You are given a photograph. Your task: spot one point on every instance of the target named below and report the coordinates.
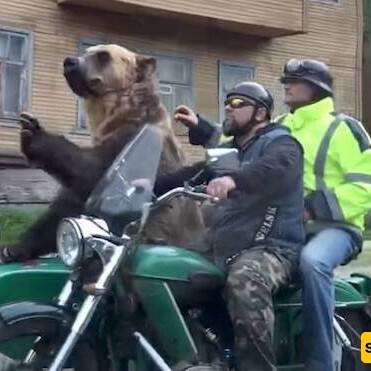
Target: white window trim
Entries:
(7, 120)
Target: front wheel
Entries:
(18, 338)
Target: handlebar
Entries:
(197, 193)
(194, 193)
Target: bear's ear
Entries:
(146, 66)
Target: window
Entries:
(229, 75)
(174, 74)
(14, 72)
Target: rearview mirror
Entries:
(222, 157)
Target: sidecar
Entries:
(39, 280)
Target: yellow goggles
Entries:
(236, 103)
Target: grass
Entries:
(14, 221)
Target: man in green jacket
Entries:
(337, 185)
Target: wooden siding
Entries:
(26, 186)
(260, 17)
(57, 32)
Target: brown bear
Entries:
(119, 90)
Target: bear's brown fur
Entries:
(119, 90)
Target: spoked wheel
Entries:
(43, 335)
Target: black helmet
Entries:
(255, 92)
(310, 70)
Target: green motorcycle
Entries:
(108, 303)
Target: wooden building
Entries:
(203, 48)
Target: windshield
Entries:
(121, 194)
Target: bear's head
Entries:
(118, 87)
(105, 69)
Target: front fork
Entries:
(87, 309)
(62, 301)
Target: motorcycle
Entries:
(107, 302)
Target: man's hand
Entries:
(186, 116)
(219, 187)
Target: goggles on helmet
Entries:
(302, 67)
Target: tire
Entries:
(360, 322)
(83, 358)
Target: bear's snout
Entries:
(71, 62)
(75, 76)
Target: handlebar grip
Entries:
(200, 188)
(199, 196)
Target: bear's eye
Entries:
(103, 57)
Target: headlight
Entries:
(69, 242)
(73, 235)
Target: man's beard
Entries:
(231, 128)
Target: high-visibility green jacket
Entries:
(337, 162)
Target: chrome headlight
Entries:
(73, 235)
(69, 242)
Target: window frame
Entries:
(6, 118)
(179, 130)
(170, 54)
(227, 63)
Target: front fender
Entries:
(20, 325)
(15, 312)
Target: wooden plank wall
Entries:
(26, 186)
(57, 32)
(284, 16)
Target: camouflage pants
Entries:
(252, 279)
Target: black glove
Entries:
(223, 166)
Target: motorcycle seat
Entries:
(206, 281)
(200, 288)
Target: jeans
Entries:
(319, 257)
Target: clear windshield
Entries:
(129, 182)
